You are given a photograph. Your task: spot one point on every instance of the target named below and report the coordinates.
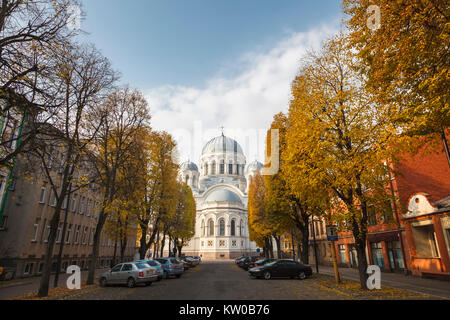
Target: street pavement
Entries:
(226, 281)
(432, 287)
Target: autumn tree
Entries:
(259, 226)
(123, 115)
(30, 33)
(160, 192)
(340, 137)
(406, 60)
(181, 227)
(84, 75)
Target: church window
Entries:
(222, 227)
(213, 168)
(234, 243)
(230, 168)
(222, 243)
(222, 167)
(206, 169)
(203, 231)
(211, 227)
(187, 179)
(241, 229)
(233, 227)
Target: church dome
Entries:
(254, 166)
(223, 195)
(189, 166)
(222, 144)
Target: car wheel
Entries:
(148, 283)
(302, 275)
(166, 275)
(178, 276)
(131, 283)
(267, 275)
(103, 282)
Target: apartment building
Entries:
(29, 207)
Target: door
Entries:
(125, 273)
(114, 275)
(292, 269)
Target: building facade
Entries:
(220, 188)
(29, 207)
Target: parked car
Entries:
(259, 263)
(130, 273)
(196, 260)
(244, 262)
(189, 262)
(238, 259)
(281, 269)
(172, 267)
(155, 264)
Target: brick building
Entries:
(395, 240)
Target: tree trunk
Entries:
(278, 242)
(96, 247)
(123, 246)
(61, 246)
(163, 243)
(293, 247)
(143, 247)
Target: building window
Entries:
(237, 169)
(241, 229)
(222, 167)
(388, 213)
(54, 201)
(213, 168)
(48, 233)
(29, 268)
(59, 233)
(35, 230)
(222, 243)
(69, 231)
(230, 168)
(221, 227)
(234, 243)
(425, 241)
(74, 203)
(42, 196)
(377, 254)
(233, 227)
(203, 231)
(371, 216)
(206, 169)
(342, 254)
(210, 243)
(77, 234)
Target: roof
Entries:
(222, 144)
(223, 195)
(189, 166)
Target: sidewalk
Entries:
(18, 287)
(431, 287)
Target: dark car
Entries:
(260, 263)
(282, 269)
(244, 263)
(188, 262)
(237, 259)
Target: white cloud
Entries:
(244, 103)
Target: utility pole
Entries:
(315, 246)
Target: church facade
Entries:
(220, 186)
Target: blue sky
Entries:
(210, 62)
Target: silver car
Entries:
(130, 273)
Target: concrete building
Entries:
(25, 229)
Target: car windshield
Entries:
(162, 261)
(260, 261)
(142, 265)
(153, 263)
(271, 263)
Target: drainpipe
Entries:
(11, 171)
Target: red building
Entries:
(396, 235)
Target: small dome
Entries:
(189, 166)
(223, 195)
(254, 166)
(222, 144)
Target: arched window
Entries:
(233, 227)
(213, 167)
(206, 169)
(230, 168)
(203, 228)
(222, 167)
(211, 227)
(187, 179)
(237, 169)
(241, 229)
(221, 227)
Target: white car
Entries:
(130, 273)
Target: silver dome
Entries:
(222, 144)
(189, 166)
(223, 195)
(254, 166)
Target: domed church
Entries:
(220, 187)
